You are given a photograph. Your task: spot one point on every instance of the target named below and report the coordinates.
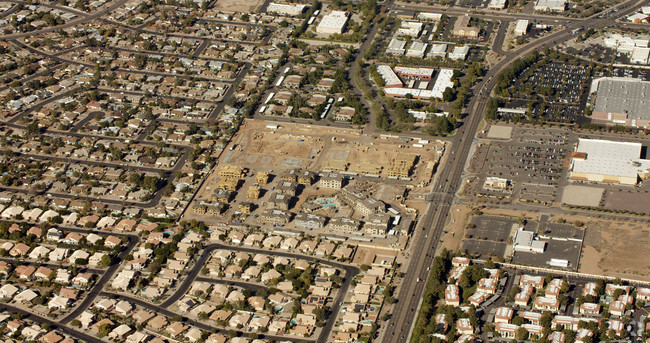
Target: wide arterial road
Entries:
(430, 227)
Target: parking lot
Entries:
(560, 82)
(488, 235)
(533, 156)
(533, 162)
(596, 53)
(553, 91)
(558, 249)
(557, 112)
(473, 3)
(642, 74)
(484, 249)
(559, 230)
(537, 192)
(563, 241)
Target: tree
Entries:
(105, 261)
(492, 109)
(104, 329)
(33, 128)
(600, 287)
(547, 319)
(489, 264)
(521, 334)
(388, 294)
(319, 313)
(471, 275)
(448, 95)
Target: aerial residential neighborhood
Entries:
(324, 171)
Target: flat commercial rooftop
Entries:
(419, 72)
(609, 158)
(333, 21)
(389, 77)
(623, 95)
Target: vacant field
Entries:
(454, 229)
(582, 195)
(633, 201)
(500, 132)
(619, 251)
(237, 5)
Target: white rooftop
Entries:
(421, 72)
(430, 16)
(410, 28)
(438, 47)
(335, 20)
(498, 3)
(522, 25)
(285, 8)
(550, 4)
(390, 79)
(396, 46)
(417, 49)
(443, 82)
(609, 158)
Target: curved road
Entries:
(202, 326)
(53, 325)
(350, 273)
(243, 284)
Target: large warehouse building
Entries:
(333, 23)
(608, 162)
(622, 100)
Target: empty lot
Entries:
(582, 195)
(624, 200)
(237, 5)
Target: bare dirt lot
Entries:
(582, 195)
(320, 149)
(454, 229)
(237, 5)
(500, 132)
(634, 201)
(619, 251)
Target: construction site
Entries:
(329, 181)
(346, 151)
